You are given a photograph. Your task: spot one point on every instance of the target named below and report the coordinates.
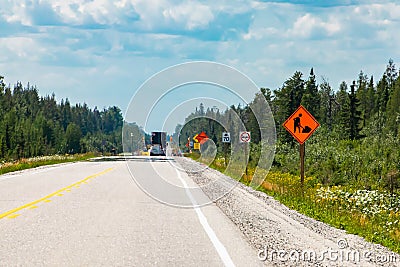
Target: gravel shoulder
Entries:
(283, 236)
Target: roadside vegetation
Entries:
(34, 162)
(33, 125)
(37, 130)
(372, 213)
(352, 161)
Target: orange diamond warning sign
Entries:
(301, 124)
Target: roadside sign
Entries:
(188, 142)
(200, 138)
(191, 143)
(226, 137)
(301, 124)
(244, 137)
(196, 146)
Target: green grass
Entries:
(339, 207)
(372, 228)
(23, 164)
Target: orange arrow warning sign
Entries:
(301, 124)
(200, 138)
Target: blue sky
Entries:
(101, 51)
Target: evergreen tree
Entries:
(328, 105)
(393, 109)
(382, 94)
(391, 75)
(2, 87)
(286, 101)
(31, 125)
(311, 99)
(73, 137)
(343, 119)
(355, 114)
(370, 99)
(361, 94)
(201, 109)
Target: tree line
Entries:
(351, 112)
(359, 137)
(32, 125)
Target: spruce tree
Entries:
(370, 99)
(328, 104)
(73, 136)
(391, 75)
(361, 94)
(287, 100)
(343, 117)
(382, 94)
(311, 99)
(393, 109)
(355, 114)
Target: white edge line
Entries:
(219, 247)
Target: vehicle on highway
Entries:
(157, 150)
(158, 143)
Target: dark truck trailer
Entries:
(158, 143)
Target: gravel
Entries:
(282, 236)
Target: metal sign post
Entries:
(302, 157)
(245, 138)
(226, 139)
(301, 125)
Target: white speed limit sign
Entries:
(244, 137)
(226, 137)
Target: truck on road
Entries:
(158, 143)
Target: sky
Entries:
(100, 52)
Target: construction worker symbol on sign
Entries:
(301, 124)
(298, 126)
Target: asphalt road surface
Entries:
(94, 213)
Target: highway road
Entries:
(95, 214)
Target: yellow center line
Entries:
(46, 198)
(13, 216)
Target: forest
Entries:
(352, 161)
(31, 125)
(358, 140)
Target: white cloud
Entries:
(17, 12)
(67, 13)
(133, 39)
(101, 11)
(191, 14)
(75, 12)
(271, 20)
(260, 33)
(383, 16)
(21, 48)
(308, 24)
